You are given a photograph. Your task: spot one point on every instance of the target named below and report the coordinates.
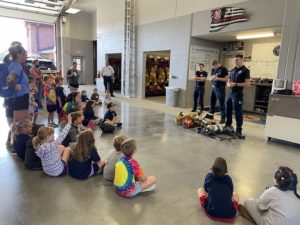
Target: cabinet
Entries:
(256, 98)
(283, 118)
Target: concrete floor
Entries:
(178, 158)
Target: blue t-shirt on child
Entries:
(109, 115)
(22, 78)
(82, 170)
(219, 202)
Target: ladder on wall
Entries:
(129, 49)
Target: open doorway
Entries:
(157, 72)
(115, 60)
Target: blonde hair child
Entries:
(53, 155)
(21, 132)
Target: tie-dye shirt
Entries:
(50, 95)
(127, 172)
(69, 107)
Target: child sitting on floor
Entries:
(96, 97)
(32, 161)
(111, 116)
(21, 133)
(54, 156)
(84, 97)
(89, 114)
(74, 130)
(113, 158)
(217, 197)
(85, 160)
(129, 178)
(278, 205)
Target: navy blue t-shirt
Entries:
(219, 202)
(221, 72)
(109, 115)
(60, 93)
(200, 74)
(90, 115)
(82, 170)
(239, 75)
(84, 98)
(20, 145)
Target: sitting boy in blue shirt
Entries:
(217, 197)
(111, 116)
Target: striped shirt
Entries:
(50, 157)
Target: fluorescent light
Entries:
(252, 36)
(72, 10)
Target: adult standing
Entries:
(18, 103)
(73, 77)
(219, 78)
(36, 73)
(239, 79)
(107, 73)
(199, 78)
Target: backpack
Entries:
(7, 81)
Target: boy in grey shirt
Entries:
(113, 158)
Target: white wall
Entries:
(110, 29)
(172, 35)
(264, 63)
(93, 30)
(77, 37)
(264, 13)
(110, 15)
(80, 26)
(156, 10)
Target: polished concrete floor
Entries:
(178, 158)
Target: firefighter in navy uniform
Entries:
(238, 80)
(218, 92)
(199, 91)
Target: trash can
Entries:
(172, 96)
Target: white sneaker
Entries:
(151, 188)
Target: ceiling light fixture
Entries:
(72, 10)
(253, 36)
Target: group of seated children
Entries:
(82, 160)
(94, 97)
(278, 205)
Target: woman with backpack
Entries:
(18, 101)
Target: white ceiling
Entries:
(89, 6)
(231, 36)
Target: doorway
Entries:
(115, 60)
(157, 72)
(80, 67)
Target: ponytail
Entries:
(286, 180)
(41, 136)
(294, 184)
(296, 193)
(36, 142)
